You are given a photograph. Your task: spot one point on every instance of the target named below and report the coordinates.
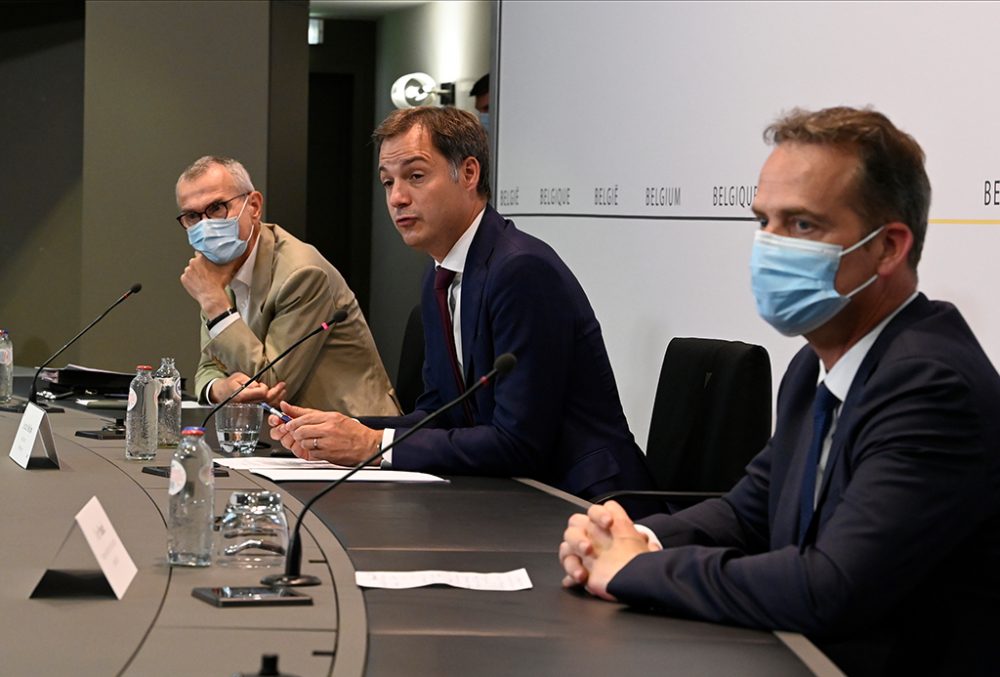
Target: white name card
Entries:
(506, 581)
(34, 438)
(116, 565)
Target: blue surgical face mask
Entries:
(793, 281)
(484, 120)
(219, 239)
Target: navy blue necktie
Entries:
(823, 406)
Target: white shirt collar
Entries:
(455, 259)
(242, 281)
(244, 275)
(839, 379)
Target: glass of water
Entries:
(238, 427)
(253, 530)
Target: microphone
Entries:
(293, 561)
(33, 394)
(339, 316)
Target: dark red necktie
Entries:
(442, 284)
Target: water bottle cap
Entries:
(143, 367)
(193, 430)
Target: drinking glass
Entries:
(238, 427)
(253, 530)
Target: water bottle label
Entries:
(6, 356)
(177, 478)
(132, 399)
(206, 475)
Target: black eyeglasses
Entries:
(216, 210)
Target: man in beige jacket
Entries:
(260, 289)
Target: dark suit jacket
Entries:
(557, 416)
(900, 565)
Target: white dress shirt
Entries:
(839, 379)
(453, 260)
(240, 285)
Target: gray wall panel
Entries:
(167, 82)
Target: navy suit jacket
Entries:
(899, 566)
(557, 417)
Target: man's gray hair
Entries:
(236, 170)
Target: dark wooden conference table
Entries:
(468, 524)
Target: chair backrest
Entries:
(711, 415)
(410, 374)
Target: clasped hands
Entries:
(596, 546)
(324, 435)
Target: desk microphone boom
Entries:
(339, 316)
(293, 560)
(33, 394)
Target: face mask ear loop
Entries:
(863, 286)
(248, 200)
(850, 249)
(238, 217)
(863, 241)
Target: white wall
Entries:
(636, 95)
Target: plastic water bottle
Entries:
(192, 502)
(168, 404)
(6, 367)
(140, 419)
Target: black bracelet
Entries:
(220, 317)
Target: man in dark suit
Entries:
(493, 289)
(871, 519)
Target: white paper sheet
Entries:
(317, 475)
(273, 463)
(470, 580)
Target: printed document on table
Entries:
(319, 475)
(272, 463)
(470, 580)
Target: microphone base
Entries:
(290, 580)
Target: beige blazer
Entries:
(294, 289)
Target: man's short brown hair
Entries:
(455, 133)
(891, 183)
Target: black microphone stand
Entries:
(293, 576)
(338, 316)
(33, 393)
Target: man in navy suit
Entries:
(871, 519)
(492, 290)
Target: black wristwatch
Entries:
(231, 310)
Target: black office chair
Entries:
(711, 415)
(410, 374)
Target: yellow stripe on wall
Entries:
(967, 222)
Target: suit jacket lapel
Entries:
(473, 281)
(799, 395)
(848, 411)
(263, 271)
